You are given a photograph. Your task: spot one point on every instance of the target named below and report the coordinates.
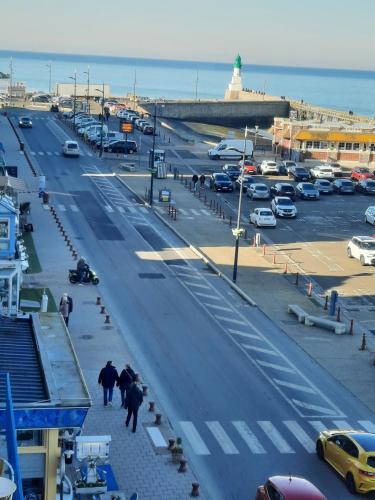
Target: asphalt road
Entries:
(246, 400)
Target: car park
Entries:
(248, 167)
(70, 148)
(321, 172)
(360, 173)
(258, 191)
(262, 217)
(282, 206)
(245, 181)
(323, 186)
(220, 182)
(343, 186)
(288, 488)
(283, 189)
(285, 166)
(307, 191)
(352, 454)
(299, 174)
(370, 215)
(363, 249)
(25, 122)
(366, 186)
(269, 168)
(232, 170)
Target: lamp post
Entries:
(152, 159)
(49, 65)
(255, 138)
(196, 86)
(75, 96)
(102, 122)
(237, 231)
(88, 88)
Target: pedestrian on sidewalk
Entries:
(66, 307)
(195, 180)
(133, 401)
(124, 382)
(202, 180)
(108, 376)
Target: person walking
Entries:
(108, 376)
(124, 382)
(134, 399)
(66, 307)
(202, 180)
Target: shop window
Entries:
(309, 144)
(30, 438)
(324, 145)
(316, 145)
(372, 147)
(341, 145)
(355, 146)
(348, 146)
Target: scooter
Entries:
(90, 277)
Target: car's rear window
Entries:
(261, 188)
(72, 146)
(221, 178)
(266, 213)
(300, 170)
(347, 183)
(308, 187)
(324, 183)
(371, 183)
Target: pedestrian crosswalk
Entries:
(260, 437)
(59, 153)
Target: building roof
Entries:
(335, 136)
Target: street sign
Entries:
(126, 127)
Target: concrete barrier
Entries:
(298, 311)
(338, 328)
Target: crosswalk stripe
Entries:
(74, 208)
(207, 296)
(132, 210)
(342, 424)
(190, 275)
(62, 208)
(231, 320)
(193, 436)
(317, 425)
(33, 153)
(197, 285)
(57, 154)
(49, 153)
(224, 441)
(367, 425)
(108, 208)
(195, 211)
(121, 209)
(156, 437)
(274, 435)
(205, 212)
(244, 334)
(250, 439)
(182, 211)
(308, 406)
(274, 366)
(88, 153)
(300, 435)
(260, 349)
(41, 153)
(143, 210)
(220, 308)
(297, 387)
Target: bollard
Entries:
(286, 268)
(264, 250)
(175, 213)
(223, 215)
(254, 241)
(210, 203)
(309, 289)
(102, 310)
(326, 303)
(364, 343)
(220, 211)
(171, 442)
(144, 390)
(338, 318)
(98, 301)
(245, 234)
(151, 406)
(297, 279)
(157, 419)
(205, 198)
(169, 209)
(230, 221)
(351, 327)
(183, 465)
(107, 318)
(75, 255)
(194, 490)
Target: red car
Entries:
(248, 167)
(288, 488)
(361, 173)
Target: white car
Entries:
(336, 169)
(370, 215)
(263, 217)
(282, 206)
(258, 191)
(363, 249)
(269, 167)
(287, 165)
(322, 172)
(70, 148)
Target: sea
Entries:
(341, 89)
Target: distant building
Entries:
(17, 91)
(327, 141)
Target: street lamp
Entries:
(49, 65)
(75, 96)
(102, 122)
(237, 231)
(88, 88)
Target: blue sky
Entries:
(322, 33)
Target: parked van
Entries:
(94, 130)
(231, 149)
(70, 148)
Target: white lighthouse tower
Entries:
(235, 86)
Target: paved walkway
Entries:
(138, 464)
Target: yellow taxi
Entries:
(352, 454)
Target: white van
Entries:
(70, 148)
(94, 130)
(231, 149)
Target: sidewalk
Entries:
(138, 463)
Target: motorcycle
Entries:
(90, 277)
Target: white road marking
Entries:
(109, 208)
(88, 153)
(274, 366)
(205, 212)
(193, 436)
(250, 439)
(187, 275)
(300, 435)
(220, 308)
(224, 441)
(62, 208)
(231, 320)
(121, 209)
(259, 349)
(49, 153)
(33, 153)
(367, 425)
(182, 211)
(342, 424)
(156, 437)
(297, 387)
(41, 153)
(194, 211)
(318, 425)
(206, 295)
(132, 210)
(302, 404)
(74, 208)
(143, 210)
(244, 334)
(275, 437)
(198, 285)
(57, 154)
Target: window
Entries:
(309, 144)
(350, 448)
(341, 145)
(348, 146)
(324, 145)
(371, 461)
(316, 145)
(273, 494)
(372, 147)
(355, 146)
(30, 438)
(4, 228)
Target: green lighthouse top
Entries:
(237, 62)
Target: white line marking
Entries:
(187, 275)
(143, 210)
(194, 211)
(88, 154)
(121, 209)
(250, 439)
(318, 425)
(367, 425)
(220, 308)
(198, 285)
(308, 406)
(342, 424)
(109, 209)
(225, 442)
(181, 266)
(132, 210)
(33, 153)
(259, 349)
(205, 212)
(207, 296)
(182, 211)
(297, 387)
(156, 437)
(49, 153)
(231, 320)
(74, 208)
(193, 436)
(274, 366)
(57, 154)
(41, 153)
(275, 437)
(300, 435)
(243, 334)
(62, 208)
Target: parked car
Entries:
(285, 166)
(367, 186)
(262, 217)
(248, 167)
(323, 186)
(321, 172)
(148, 130)
(307, 191)
(54, 107)
(343, 186)
(245, 181)
(352, 454)
(269, 168)
(25, 122)
(370, 215)
(363, 249)
(360, 173)
(288, 488)
(121, 147)
(70, 148)
(220, 182)
(283, 189)
(336, 169)
(232, 170)
(258, 191)
(299, 174)
(282, 206)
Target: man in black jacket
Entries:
(108, 376)
(124, 381)
(134, 399)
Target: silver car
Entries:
(258, 191)
(323, 186)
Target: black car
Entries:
(25, 122)
(245, 182)
(367, 186)
(233, 171)
(343, 186)
(54, 107)
(299, 174)
(121, 147)
(220, 182)
(283, 189)
(148, 130)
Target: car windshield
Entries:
(370, 183)
(261, 188)
(221, 178)
(301, 170)
(369, 245)
(287, 189)
(284, 201)
(346, 183)
(233, 169)
(265, 213)
(308, 187)
(324, 183)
